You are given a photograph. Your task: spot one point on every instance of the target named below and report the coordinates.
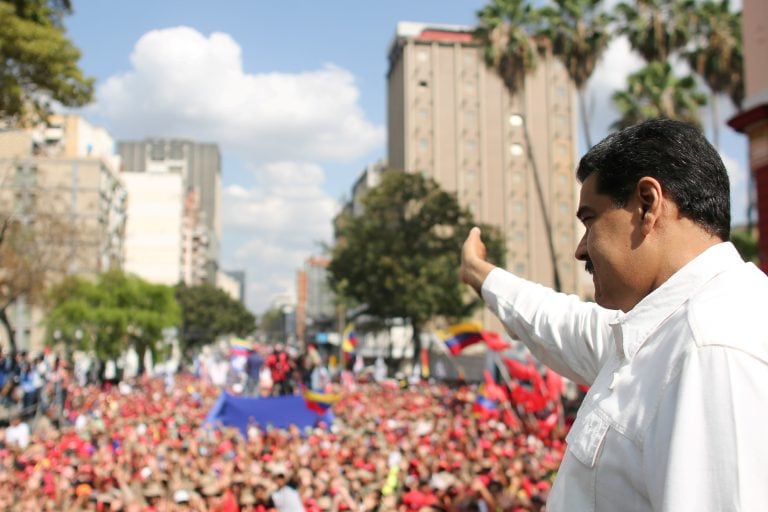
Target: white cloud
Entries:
(276, 225)
(185, 84)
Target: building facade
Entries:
(61, 181)
(451, 118)
(233, 283)
(195, 242)
(154, 226)
(199, 165)
(753, 118)
(315, 301)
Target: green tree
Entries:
(208, 312)
(38, 63)
(656, 28)
(659, 30)
(506, 29)
(746, 243)
(579, 34)
(655, 91)
(400, 257)
(717, 55)
(272, 324)
(110, 313)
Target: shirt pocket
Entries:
(586, 437)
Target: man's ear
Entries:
(650, 196)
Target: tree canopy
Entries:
(400, 257)
(208, 312)
(38, 63)
(110, 313)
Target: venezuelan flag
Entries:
(349, 340)
(484, 405)
(239, 347)
(319, 402)
(460, 336)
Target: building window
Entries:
(176, 151)
(157, 151)
(423, 84)
(519, 268)
(423, 144)
(422, 56)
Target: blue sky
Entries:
(293, 92)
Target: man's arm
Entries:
(564, 333)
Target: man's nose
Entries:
(581, 249)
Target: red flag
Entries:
(554, 384)
(518, 370)
(493, 390)
(494, 341)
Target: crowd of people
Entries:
(144, 445)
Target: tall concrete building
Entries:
(63, 176)
(153, 228)
(199, 164)
(233, 283)
(315, 301)
(195, 242)
(451, 118)
(753, 119)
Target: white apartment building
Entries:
(153, 229)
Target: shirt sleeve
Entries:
(706, 449)
(570, 336)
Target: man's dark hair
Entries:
(674, 153)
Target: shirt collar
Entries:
(631, 329)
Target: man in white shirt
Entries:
(17, 433)
(286, 498)
(676, 349)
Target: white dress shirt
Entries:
(676, 415)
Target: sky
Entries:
(294, 94)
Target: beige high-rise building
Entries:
(452, 118)
(62, 181)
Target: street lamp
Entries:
(517, 120)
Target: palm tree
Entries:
(507, 31)
(717, 55)
(655, 91)
(578, 32)
(656, 28)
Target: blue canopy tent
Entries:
(277, 411)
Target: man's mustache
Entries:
(589, 266)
